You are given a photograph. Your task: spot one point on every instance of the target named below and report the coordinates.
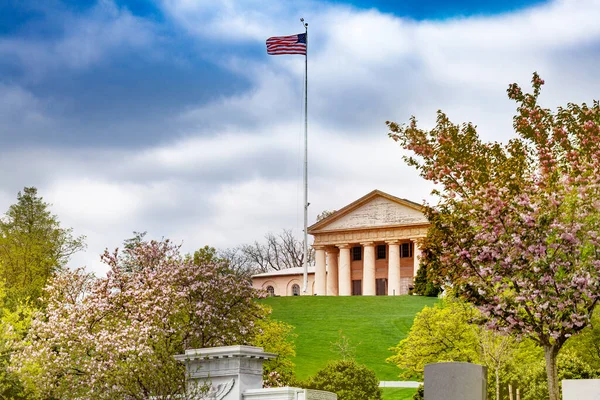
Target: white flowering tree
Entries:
(114, 337)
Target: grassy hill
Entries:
(373, 325)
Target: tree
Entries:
(448, 331)
(439, 333)
(346, 378)
(324, 214)
(517, 225)
(277, 337)
(33, 245)
(279, 252)
(114, 337)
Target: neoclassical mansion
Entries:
(369, 247)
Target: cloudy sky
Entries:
(169, 116)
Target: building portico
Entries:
(370, 247)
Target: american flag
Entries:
(293, 44)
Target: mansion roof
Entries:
(286, 271)
(372, 211)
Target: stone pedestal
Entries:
(455, 381)
(579, 389)
(235, 373)
(288, 393)
(230, 370)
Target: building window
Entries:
(381, 251)
(406, 250)
(295, 289)
(357, 253)
(271, 291)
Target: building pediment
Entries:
(375, 210)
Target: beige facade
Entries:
(287, 282)
(370, 247)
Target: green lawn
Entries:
(373, 324)
(398, 393)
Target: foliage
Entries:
(324, 214)
(346, 378)
(586, 345)
(114, 337)
(420, 394)
(439, 333)
(425, 286)
(569, 367)
(276, 337)
(516, 228)
(14, 325)
(32, 246)
(448, 332)
(377, 322)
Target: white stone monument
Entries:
(580, 389)
(455, 381)
(235, 373)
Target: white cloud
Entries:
(235, 170)
(84, 41)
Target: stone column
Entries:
(332, 272)
(320, 271)
(416, 256)
(394, 269)
(369, 269)
(345, 271)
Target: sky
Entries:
(169, 117)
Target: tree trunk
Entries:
(550, 353)
(497, 383)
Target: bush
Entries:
(420, 393)
(346, 378)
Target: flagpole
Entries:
(305, 159)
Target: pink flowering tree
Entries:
(517, 227)
(114, 337)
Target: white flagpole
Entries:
(305, 159)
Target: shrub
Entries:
(346, 378)
(420, 393)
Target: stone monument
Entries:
(580, 389)
(455, 381)
(235, 373)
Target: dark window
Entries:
(380, 287)
(406, 250)
(271, 291)
(381, 251)
(357, 253)
(295, 289)
(356, 288)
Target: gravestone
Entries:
(580, 389)
(455, 381)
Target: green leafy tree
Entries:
(586, 345)
(425, 286)
(570, 366)
(276, 337)
(33, 245)
(516, 226)
(448, 331)
(346, 378)
(439, 333)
